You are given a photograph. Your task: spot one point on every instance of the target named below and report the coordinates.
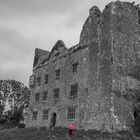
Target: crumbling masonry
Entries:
(90, 84)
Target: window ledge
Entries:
(71, 119)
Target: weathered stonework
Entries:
(108, 56)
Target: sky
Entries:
(29, 24)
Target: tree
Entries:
(14, 98)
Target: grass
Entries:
(61, 134)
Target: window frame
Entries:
(37, 95)
(56, 92)
(57, 54)
(74, 91)
(139, 16)
(71, 113)
(57, 74)
(38, 80)
(46, 78)
(75, 67)
(45, 116)
(34, 115)
(45, 96)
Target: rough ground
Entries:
(61, 134)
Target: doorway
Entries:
(53, 120)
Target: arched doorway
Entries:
(53, 120)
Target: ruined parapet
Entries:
(94, 13)
(84, 37)
(58, 44)
(58, 49)
(94, 41)
(38, 54)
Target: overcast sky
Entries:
(27, 24)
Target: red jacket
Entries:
(71, 126)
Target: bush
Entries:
(21, 125)
(42, 128)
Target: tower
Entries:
(113, 39)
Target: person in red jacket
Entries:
(71, 127)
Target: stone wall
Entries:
(125, 50)
(67, 78)
(113, 56)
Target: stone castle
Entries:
(90, 84)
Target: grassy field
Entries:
(62, 134)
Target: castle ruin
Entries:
(90, 84)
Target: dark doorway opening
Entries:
(136, 115)
(139, 16)
(53, 121)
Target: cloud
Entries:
(14, 45)
(15, 55)
(37, 7)
(16, 71)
